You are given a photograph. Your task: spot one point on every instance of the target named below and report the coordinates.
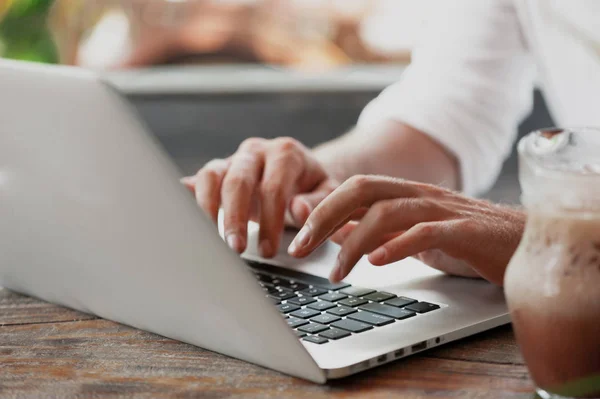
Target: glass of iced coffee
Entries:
(552, 283)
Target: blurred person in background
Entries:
(314, 34)
(450, 121)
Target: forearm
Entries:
(393, 149)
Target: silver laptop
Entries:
(93, 217)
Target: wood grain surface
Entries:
(47, 351)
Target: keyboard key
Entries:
(325, 318)
(287, 307)
(379, 296)
(400, 302)
(269, 290)
(333, 296)
(295, 322)
(297, 276)
(334, 333)
(352, 325)
(353, 302)
(302, 300)
(315, 339)
(298, 286)
(282, 295)
(371, 318)
(387, 310)
(314, 291)
(357, 291)
(276, 301)
(313, 328)
(341, 311)
(422, 307)
(278, 281)
(300, 334)
(327, 285)
(284, 289)
(305, 313)
(292, 285)
(321, 305)
(264, 278)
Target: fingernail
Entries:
(336, 273)
(378, 256)
(301, 240)
(266, 250)
(235, 242)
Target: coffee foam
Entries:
(556, 268)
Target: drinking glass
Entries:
(552, 283)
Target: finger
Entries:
(237, 191)
(343, 233)
(315, 186)
(301, 207)
(384, 218)
(303, 204)
(207, 186)
(282, 170)
(420, 238)
(338, 207)
(340, 236)
(189, 182)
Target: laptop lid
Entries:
(93, 217)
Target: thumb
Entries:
(303, 204)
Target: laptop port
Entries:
(419, 347)
(381, 358)
(399, 353)
(360, 366)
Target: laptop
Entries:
(93, 217)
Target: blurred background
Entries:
(206, 74)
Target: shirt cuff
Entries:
(435, 116)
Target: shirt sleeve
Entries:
(469, 85)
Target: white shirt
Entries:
(471, 80)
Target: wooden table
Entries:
(50, 351)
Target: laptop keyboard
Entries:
(320, 311)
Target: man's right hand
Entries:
(273, 182)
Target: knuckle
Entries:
(469, 226)
(212, 168)
(359, 183)
(382, 210)
(252, 144)
(427, 231)
(287, 144)
(214, 163)
(289, 159)
(432, 191)
(211, 177)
